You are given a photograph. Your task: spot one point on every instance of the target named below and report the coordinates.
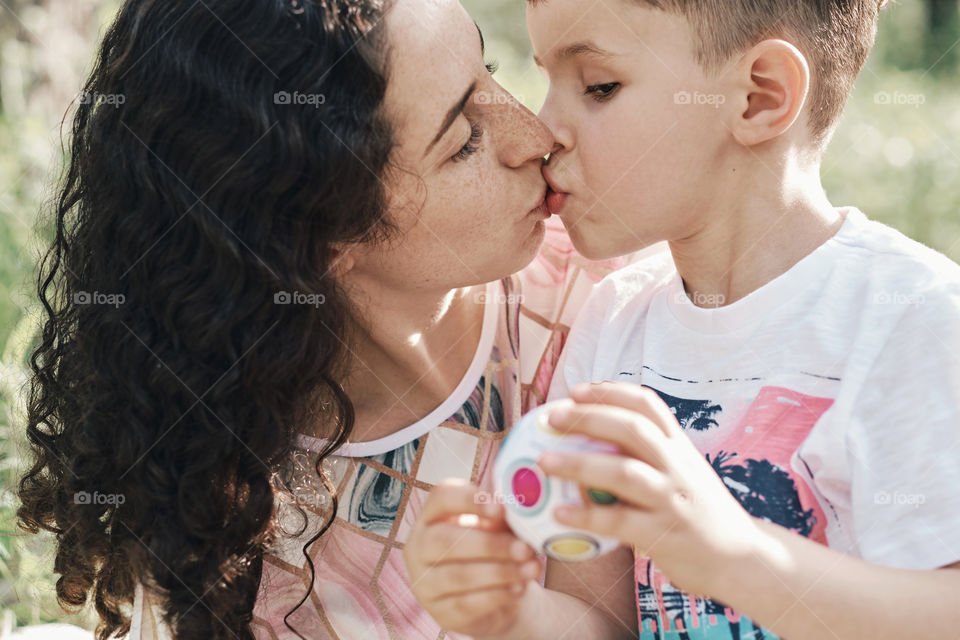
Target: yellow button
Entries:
(571, 547)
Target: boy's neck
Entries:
(761, 230)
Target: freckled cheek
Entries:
(487, 189)
(471, 200)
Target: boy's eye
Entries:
(472, 146)
(602, 92)
(493, 67)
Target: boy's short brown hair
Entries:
(835, 36)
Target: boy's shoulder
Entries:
(631, 288)
(888, 257)
(895, 285)
(642, 277)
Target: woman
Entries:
(294, 237)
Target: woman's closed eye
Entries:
(602, 92)
(472, 145)
(476, 131)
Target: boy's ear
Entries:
(773, 81)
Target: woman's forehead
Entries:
(434, 56)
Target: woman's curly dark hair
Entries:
(222, 151)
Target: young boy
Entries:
(790, 469)
(802, 362)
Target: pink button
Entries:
(526, 487)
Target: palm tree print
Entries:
(698, 415)
(765, 491)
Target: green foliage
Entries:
(899, 161)
(27, 581)
(31, 108)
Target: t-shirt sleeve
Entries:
(903, 440)
(553, 289)
(576, 362)
(614, 308)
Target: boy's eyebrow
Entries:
(584, 48)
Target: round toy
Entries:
(530, 496)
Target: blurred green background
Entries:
(896, 155)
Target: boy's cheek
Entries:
(613, 150)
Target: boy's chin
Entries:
(593, 245)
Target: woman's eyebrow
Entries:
(457, 109)
(452, 115)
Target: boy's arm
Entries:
(797, 588)
(676, 508)
(585, 600)
(901, 440)
(606, 583)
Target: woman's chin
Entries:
(514, 253)
(531, 244)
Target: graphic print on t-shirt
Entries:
(750, 445)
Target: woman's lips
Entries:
(555, 201)
(542, 210)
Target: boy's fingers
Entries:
(632, 481)
(634, 434)
(643, 400)
(454, 580)
(452, 543)
(617, 521)
(456, 497)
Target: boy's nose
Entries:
(562, 136)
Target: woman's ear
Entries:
(773, 81)
(341, 259)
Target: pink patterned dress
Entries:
(361, 589)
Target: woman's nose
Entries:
(524, 137)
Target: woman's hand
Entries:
(466, 568)
(673, 506)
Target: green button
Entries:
(601, 497)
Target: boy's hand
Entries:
(673, 506)
(466, 568)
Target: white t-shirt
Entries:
(828, 400)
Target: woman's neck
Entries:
(407, 354)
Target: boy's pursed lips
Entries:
(556, 194)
